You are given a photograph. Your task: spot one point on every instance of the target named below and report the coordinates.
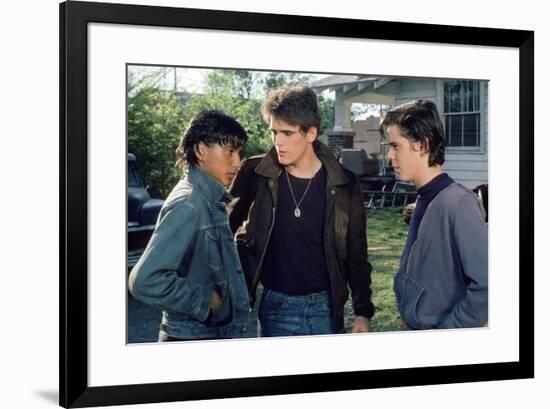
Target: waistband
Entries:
(318, 296)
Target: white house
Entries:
(462, 105)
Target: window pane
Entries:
(464, 95)
(454, 94)
(447, 99)
(447, 130)
(132, 177)
(455, 134)
(471, 104)
(476, 99)
(471, 130)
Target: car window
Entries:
(133, 178)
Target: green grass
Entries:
(386, 234)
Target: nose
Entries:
(276, 141)
(389, 154)
(236, 159)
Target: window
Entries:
(461, 109)
(133, 178)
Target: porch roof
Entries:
(357, 88)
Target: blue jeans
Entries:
(281, 314)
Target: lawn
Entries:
(386, 234)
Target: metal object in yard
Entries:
(380, 199)
(357, 161)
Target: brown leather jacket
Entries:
(345, 238)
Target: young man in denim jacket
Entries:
(442, 279)
(190, 267)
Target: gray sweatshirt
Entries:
(444, 282)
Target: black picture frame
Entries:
(73, 378)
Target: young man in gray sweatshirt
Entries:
(442, 279)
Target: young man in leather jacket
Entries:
(301, 226)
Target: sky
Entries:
(189, 79)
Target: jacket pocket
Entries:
(412, 296)
(222, 314)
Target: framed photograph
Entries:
(102, 45)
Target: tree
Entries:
(274, 80)
(156, 119)
(230, 91)
(326, 108)
(155, 123)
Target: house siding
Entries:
(413, 89)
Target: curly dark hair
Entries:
(209, 127)
(295, 104)
(419, 121)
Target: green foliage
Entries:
(155, 123)
(326, 109)
(275, 79)
(229, 91)
(156, 119)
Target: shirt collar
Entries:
(212, 189)
(270, 167)
(435, 185)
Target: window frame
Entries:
(483, 89)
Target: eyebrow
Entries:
(283, 130)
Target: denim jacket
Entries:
(444, 282)
(190, 254)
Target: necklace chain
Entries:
(297, 211)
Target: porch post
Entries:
(341, 136)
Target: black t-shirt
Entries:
(294, 262)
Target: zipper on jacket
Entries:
(257, 274)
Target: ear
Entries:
(200, 151)
(311, 134)
(424, 147)
(420, 146)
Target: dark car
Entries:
(142, 213)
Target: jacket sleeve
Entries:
(244, 188)
(357, 264)
(154, 279)
(471, 238)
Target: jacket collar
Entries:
(270, 167)
(212, 190)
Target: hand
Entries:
(361, 324)
(215, 301)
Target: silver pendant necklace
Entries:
(297, 212)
